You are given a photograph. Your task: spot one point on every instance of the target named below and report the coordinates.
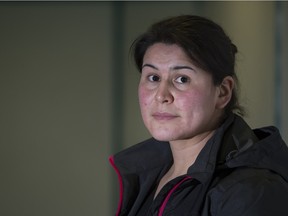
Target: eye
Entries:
(182, 79)
(153, 78)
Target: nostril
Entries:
(161, 98)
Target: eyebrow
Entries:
(178, 67)
(183, 67)
(149, 65)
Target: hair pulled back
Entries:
(203, 41)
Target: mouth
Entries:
(163, 116)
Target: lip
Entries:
(163, 116)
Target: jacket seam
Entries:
(121, 188)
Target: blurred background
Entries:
(68, 93)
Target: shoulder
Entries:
(249, 192)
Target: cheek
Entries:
(144, 97)
(194, 101)
(144, 103)
(189, 100)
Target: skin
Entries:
(180, 104)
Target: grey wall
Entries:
(68, 93)
(281, 68)
(55, 63)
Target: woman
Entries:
(203, 158)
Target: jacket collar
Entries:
(151, 155)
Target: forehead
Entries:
(166, 55)
(165, 50)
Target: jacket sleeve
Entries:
(253, 196)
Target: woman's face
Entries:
(178, 100)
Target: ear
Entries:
(225, 92)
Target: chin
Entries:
(163, 138)
(164, 134)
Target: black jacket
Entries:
(239, 172)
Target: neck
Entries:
(185, 152)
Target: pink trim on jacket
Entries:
(111, 159)
(162, 208)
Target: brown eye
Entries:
(182, 79)
(153, 78)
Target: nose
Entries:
(163, 94)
